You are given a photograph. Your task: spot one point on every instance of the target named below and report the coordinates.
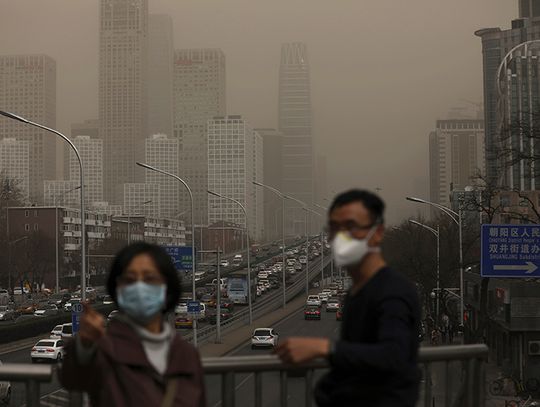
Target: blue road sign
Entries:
(510, 251)
(181, 257)
(76, 312)
(193, 307)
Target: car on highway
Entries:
(183, 321)
(46, 310)
(314, 300)
(264, 338)
(323, 295)
(225, 315)
(7, 313)
(298, 267)
(4, 293)
(59, 299)
(68, 304)
(5, 391)
(56, 332)
(312, 312)
(112, 314)
(339, 314)
(209, 300)
(67, 331)
(302, 259)
(107, 300)
(48, 349)
(20, 291)
(224, 263)
(334, 288)
(332, 305)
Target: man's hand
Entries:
(92, 326)
(299, 350)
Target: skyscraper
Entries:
(142, 199)
(295, 123)
(199, 95)
(511, 91)
(272, 170)
(123, 56)
(28, 88)
(456, 154)
(234, 162)
(160, 74)
(15, 162)
(162, 152)
(91, 151)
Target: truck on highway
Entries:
(237, 287)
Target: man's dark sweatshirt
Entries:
(374, 364)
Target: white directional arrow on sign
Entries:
(528, 268)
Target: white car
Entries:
(262, 275)
(332, 305)
(323, 296)
(5, 391)
(67, 305)
(224, 263)
(314, 300)
(264, 337)
(46, 310)
(48, 349)
(56, 333)
(67, 331)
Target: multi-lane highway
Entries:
(295, 325)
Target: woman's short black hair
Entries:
(163, 263)
(372, 202)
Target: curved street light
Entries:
(457, 219)
(250, 306)
(81, 183)
(176, 177)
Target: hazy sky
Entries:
(382, 71)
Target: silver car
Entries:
(264, 337)
(6, 313)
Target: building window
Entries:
(36, 227)
(35, 214)
(27, 227)
(26, 213)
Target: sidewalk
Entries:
(235, 339)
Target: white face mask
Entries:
(348, 251)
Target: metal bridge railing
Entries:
(31, 375)
(469, 392)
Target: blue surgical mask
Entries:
(141, 301)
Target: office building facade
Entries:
(234, 162)
(28, 88)
(123, 43)
(15, 163)
(142, 199)
(91, 151)
(295, 123)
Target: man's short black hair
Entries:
(163, 263)
(372, 202)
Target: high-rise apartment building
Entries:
(160, 74)
(142, 199)
(456, 157)
(15, 162)
(295, 123)
(199, 95)
(511, 97)
(28, 88)
(162, 152)
(91, 151)
(272, 170)
(88, 128)
(234, 162)
(123, 41)
(61, 193)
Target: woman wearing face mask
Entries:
(138, 360)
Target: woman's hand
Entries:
(92, 326)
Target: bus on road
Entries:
(237, 287)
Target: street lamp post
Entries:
(457, 219)
(282, 196)
(176, 177)
(305, 208)
(437, 234)
(57, 286)
(250, 306)
(322, 249)
(81, 182)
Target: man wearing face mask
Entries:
(374, 363)
(138, 360)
